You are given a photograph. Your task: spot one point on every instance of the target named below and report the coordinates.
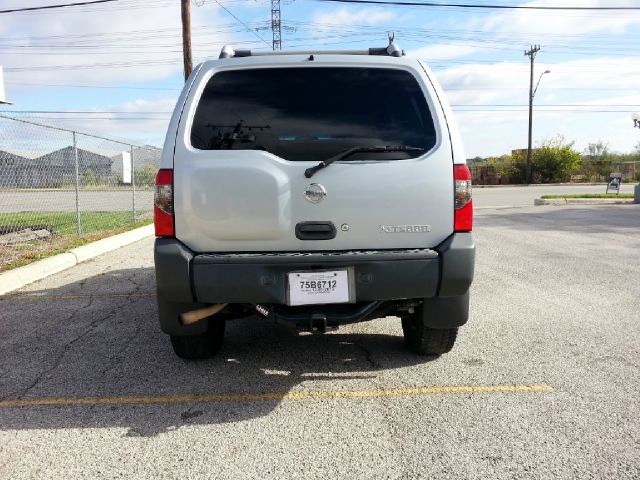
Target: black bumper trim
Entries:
(263, 278)
(184, 277)
(457, 261)
(173, 270)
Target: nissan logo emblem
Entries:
(315, 193)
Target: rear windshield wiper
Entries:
(346, 153)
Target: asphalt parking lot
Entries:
(544, 381)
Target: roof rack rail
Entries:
(392, 50)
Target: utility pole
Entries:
(186, 37)
(532, 55)
(276, 26)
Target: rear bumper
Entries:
(184, 277)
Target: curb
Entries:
(533, 185)
(19, 277)
(582, 201)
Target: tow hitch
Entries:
(315, 321)
(318, 323)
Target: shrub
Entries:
(554, 161)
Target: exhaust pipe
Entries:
(189, 318)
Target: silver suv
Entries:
(317, 188)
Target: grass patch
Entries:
(62, 225)
(591, 195)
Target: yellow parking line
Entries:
(267, 396)
(78, 297)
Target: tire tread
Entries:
(201, 346)
(427, 341)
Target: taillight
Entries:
(163, 204)
(463, 213)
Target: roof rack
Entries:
(392, 50)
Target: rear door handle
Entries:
(315, 231)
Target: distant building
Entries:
(54, 169)
(61, 166)
(10, 168)
(9, 159)
(142, 157)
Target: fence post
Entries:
(133, 185)
(75, 154)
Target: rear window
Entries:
(313, 113)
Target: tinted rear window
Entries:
(313, 113)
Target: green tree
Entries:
(506, 167)
(555, 160)
(90, 177)
(145, 176)
(598, 150)
(597, 161)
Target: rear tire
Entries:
(202, 346)
(424, 340)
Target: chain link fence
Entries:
(60, 188)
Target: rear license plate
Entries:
(318, 287)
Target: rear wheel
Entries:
(201, 346)
(424, 340)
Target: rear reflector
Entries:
(463, 213)
(163, 204)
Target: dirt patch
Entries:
(24, 235)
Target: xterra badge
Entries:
(405, 228)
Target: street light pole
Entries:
(532, 55)
(538, 84)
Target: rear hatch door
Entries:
(249, 135)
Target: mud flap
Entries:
(446, 312)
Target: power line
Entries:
(60, 5)
(176, 89)
(543, 110)
(247, 26)
(159, 119)
(170, 32)
(74, 85)
(544, 105)
(112, 112)
(467, 5)
(463, 107)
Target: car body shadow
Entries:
(98, 338)
(587, 219)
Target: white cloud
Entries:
(594, 82)
(564, 22)
(442, 51)
(347, 16)
(150, 118)
(132, 43)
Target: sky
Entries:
(116, 68)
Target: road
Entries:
(65, 200)
(491, 197)
(121, 200)
(555, 303)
